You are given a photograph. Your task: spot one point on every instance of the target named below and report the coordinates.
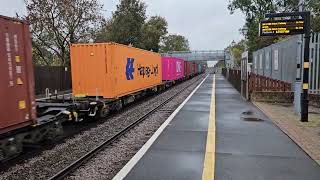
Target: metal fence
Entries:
(314, 77)
(52, 77)
(279, 61)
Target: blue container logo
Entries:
(129, 69)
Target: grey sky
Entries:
(206, 23)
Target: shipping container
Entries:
(172, 68)
(190, 68)
(111, 70)
(17, 105)
(199, 68)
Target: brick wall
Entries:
(282, 97)
(272, 96)
(314, 100)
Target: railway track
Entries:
(82, 160)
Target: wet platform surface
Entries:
(254, 150)
(179, 151)
(245, 150)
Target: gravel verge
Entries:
(52, 161)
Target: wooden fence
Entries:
(262, 83)
(234, 77)
(256, 82)
(224, 72)
(52, 77)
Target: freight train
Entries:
(105, 77)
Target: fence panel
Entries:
(234, 77)
(52, 77)
(262, 83)
(279, 61)
(314, 77)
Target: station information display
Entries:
(282, 27)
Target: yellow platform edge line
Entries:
(209, 160)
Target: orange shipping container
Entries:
(112, 70)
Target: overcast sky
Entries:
(206, 23)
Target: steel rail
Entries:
(82, 160)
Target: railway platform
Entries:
(206, 138)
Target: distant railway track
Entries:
(85, 158)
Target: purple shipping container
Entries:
(172, 68)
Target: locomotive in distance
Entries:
(281, 27)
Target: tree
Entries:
(310, 5)
(102, 33)
(55, 24)
(125, 27)
(314, 7)
(254, 11)
(288, 5)
(174, 42)
(236, 51)
(152, 32)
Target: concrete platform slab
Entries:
(243, 150)
(201, 108)
(237, 143)
(179, 151)
(254, 150)
(177, 140)
(177, 165)
(258, 167)
(185, 121)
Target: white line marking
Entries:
(134, 160)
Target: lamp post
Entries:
(244, 31)
(244, 65)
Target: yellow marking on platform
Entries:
(305, 86)
(209, 160)
(306, 65)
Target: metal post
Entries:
(301, 5)
(304, 101)
(306, 66)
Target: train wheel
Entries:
(103, 112)
(10, 148)
(119, 105)
(55, 131)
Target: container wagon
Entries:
(190, 69)
(18, 121)
(201, 68)
(105, 76)
(197, 69)
(113, 74)
(172, 69)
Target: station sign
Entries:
(282, 27)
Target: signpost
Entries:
(290, 24)
(244, 75)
